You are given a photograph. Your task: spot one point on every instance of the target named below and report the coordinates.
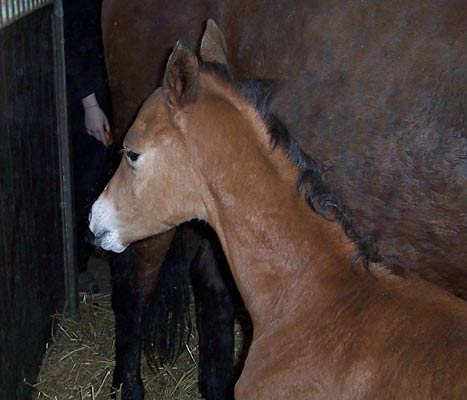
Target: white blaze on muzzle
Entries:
(104, 225)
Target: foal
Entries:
(199, 150)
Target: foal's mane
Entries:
(311, 178)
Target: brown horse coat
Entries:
(198, 149)
(375, 90)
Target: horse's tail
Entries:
(166, 325)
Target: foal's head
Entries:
(159, 183)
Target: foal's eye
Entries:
(132, 155)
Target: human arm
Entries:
(86, 74)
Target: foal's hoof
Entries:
(87, 283)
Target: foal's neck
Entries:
(272, 239)
(274, 242)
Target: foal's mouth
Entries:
(98, 238)
(107, 240)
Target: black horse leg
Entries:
(137, 306)
(134, 277)
(215, 314)
(127, 304)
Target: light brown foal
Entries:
(199, 150)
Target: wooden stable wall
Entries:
(32, 275)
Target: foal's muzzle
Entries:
(104, 227)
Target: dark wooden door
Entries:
(36, 266)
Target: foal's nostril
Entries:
(90, 216)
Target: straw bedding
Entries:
(79, 360)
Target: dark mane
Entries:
(312, 178)
(320, 199)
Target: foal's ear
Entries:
(213, 46)
(181, 76)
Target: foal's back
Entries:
(360, 337)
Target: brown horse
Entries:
(375, 90)
(199, 150)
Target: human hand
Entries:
(96, 123)
(95, 120)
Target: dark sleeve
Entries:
(83, 45)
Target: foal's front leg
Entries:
(134, 277)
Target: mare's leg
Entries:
(215, 314)
(134, 277)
